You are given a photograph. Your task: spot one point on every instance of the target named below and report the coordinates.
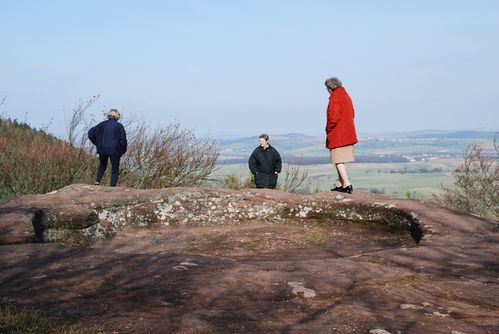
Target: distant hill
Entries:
(454, 134)
(289, 144)
(396, 147)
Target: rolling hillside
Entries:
(390, 148)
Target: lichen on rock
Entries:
(70, 213)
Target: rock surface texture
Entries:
(195, 260)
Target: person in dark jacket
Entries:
(110, 138)
(265, 164)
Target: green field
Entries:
(433, 155)
(392, 179)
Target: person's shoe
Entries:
(337, 188)
(97, 183)
(348, 189)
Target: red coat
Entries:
(340, 127)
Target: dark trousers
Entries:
(265, 180)
(115, 168)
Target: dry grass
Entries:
(17, 320)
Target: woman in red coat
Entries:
(340, 132)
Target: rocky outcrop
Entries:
(44, 219)
(82, 214)
(193, 260)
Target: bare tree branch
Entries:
(294, 177)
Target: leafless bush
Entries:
(476, 183)
(77, 129)
(232, 181)
(167, 156)
(294, 177)
(78, 125)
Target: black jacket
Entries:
(263, 164)
(109, 137)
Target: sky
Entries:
(240, 68)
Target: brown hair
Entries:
(264, 136)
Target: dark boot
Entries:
(347, 190)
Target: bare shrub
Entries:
(77, 127)
(476, 183)
(167, 156)
(232, 181)
(294, 177)
(77, 136)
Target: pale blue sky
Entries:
(233, 68)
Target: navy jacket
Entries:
(263, 164)
(109, 137)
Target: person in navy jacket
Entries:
(110, 139)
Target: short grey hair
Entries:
(333, 83)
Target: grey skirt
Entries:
(342, 154)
